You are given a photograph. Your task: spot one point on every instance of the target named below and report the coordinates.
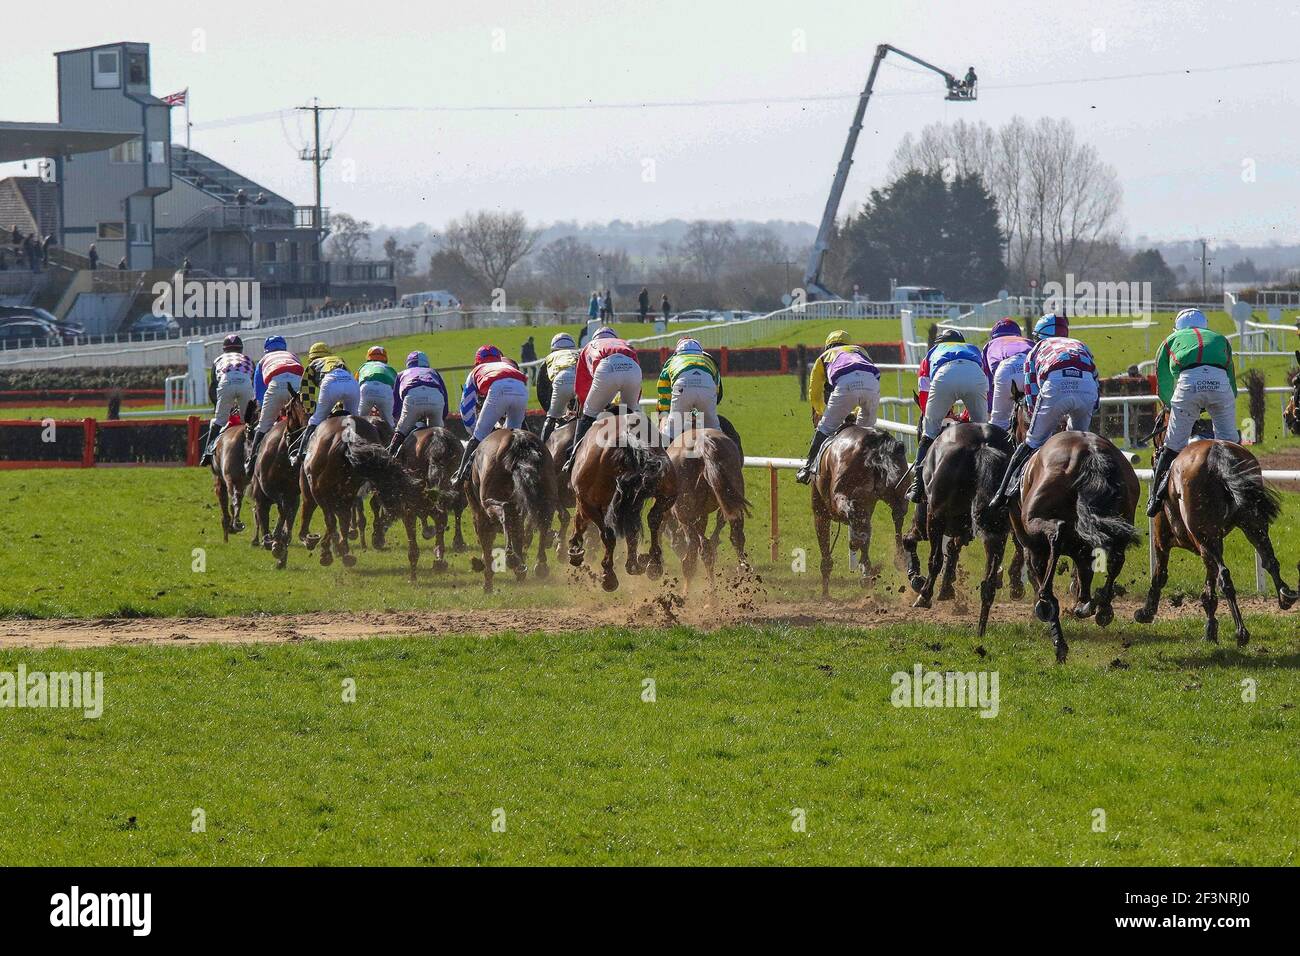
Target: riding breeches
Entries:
(693, 391)
(506, 398)
(1062, 396)
(1201, 389)
(616, 376)
(1010, 370)
(275, 398)
(851, 390)
(959, 379)
(421, 403)
(336, 386)
(234, 392)
(377, 395)
(562, 392)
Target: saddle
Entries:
(849, 420)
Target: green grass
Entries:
(748, 726)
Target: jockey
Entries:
(689, 381)
(278, 373)
(607, 367)
(326, 382)
(494, 389)
(376, 378)
(230, 389)
(1194, 373)
(953, 369)
(1004, 354)
(843, 378)
(555, 378)
(420, 395)
(1060, 383)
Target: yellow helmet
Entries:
(317, 350)
(377, 353)
(838, 337)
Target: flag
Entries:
(177, 99)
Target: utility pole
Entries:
(1204, 263)
(317, 157)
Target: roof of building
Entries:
(20, 141)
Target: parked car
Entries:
(15, 333)
(437, 299)
(695, 316)
(62, 330)
(150, 324)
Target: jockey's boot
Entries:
(463, 470)
(804, 475)
(584, 424)
(300, 446)
(1010, 486)
(1159, 480)
(206, 458)
(548, 426)
(395, 443)
(252, 452)
(916, 493)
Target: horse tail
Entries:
(640, 476)
(438, 474)
(523, 458)
(1098, 504)
(990, 465)
(731, 500)
(371, 462)
(1246, 489)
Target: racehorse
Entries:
(512, 488)
(962, 472)
(229, 478)
(344, 454)
(1214, 486)
(859, 466)
(710, 477)
(613, 477)
(558, 443)
(1078, 495)
(276, 482)
(367, 491)
(431, 456)
(1291, 414)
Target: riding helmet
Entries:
(232, 343)
(417, 360)
(604, 332)
(318, 350)
(376, 353)
(1004, 327)
(949, 335)
(838, 337)
(1050, 325)
(487, 353)
(1191, 319)
(689, 347)
(275, 343)
(562, 340)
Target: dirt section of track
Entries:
(740, 600)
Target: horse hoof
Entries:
(326, 559)
(428, 534)
(576, 558)
(917, 582)
(237, 527)
(1084, 609)
(458, 547)
(609, 582)
(440, 565)
(349, 560)
(1243, 637)
(521, 574)
(1043, 611)
(654, 570)
(311, 541)
(1285, 598)
(476, 564)
(543, 572)
(921, 601)
(352, 534)
(514, 562)
(1105, 615)
(1062, 651)
(946, 594)
(1144, 616)
(1017, 590)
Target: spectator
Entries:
(970, 79)
(4, 260)
(666, 306)
(185, 265)
(93, 256)
(608, 301)
(643, 303)
(32, 248)
(45, 250)
(593, 307)
(121, 264)
(15, 237)
(528, 353)
(241, 198)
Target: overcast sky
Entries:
(1179, 142)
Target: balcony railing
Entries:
(305, 273)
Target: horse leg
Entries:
(262, 521)
(1105, 609)
(934, 565)
(358, 531)
(458, 540)
(1017, 570)
(513, 522)
(995, 547)
(1046, 608)
(440, 542)
(564, 518)
(951, 555)
(308, 540)
(609, 580)
(822, 521)
(910, 541)
(343, 516)
(328, 540)
(1084, 606)
(860, 541)
(1215, 550)
(654, 563)
(693, 551)
(412, 549)
(223, 498)
(236, 505)
(1256, 533)
(737, 535)
(1160, 544)
(1210, 598)
(577, 547)
(486, 528)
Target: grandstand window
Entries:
(128, 152)
(111, 231)
(137, 68)
(108, 69)
(157, 152)
(139, 233)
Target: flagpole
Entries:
(187, 117)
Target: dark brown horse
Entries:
(346, 453)
(1291, 414)
(1214, 486)
(614, 475)
(229, 478)
(859, 467)
(512, 487)
(368, 492)
(275, 482)
(962, 472)
(559, 443)
(1078, 495)
(431, 456)
(710, 477)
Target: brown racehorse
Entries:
(344, 454)
(859, 467)
(1078, 495)
(1214, 486)
(710, 477)
(229, 479)
(512, 488)
(614, 475)
(962, 472)
(275, 482)
(1291, 414)
(431, 456)
(558, 444)
(381, 521)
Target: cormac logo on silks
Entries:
(210, 299)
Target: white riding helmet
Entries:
(689, 347)
(1191, 319)
(604, 332)
(562, 340)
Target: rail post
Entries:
(772, 507)
(192, 440)
(88, 443)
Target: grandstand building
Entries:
(111, 176)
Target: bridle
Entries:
(1158, 428)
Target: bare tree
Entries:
(706, 247)
(348, 238)
(492, 243)
(568, 263)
